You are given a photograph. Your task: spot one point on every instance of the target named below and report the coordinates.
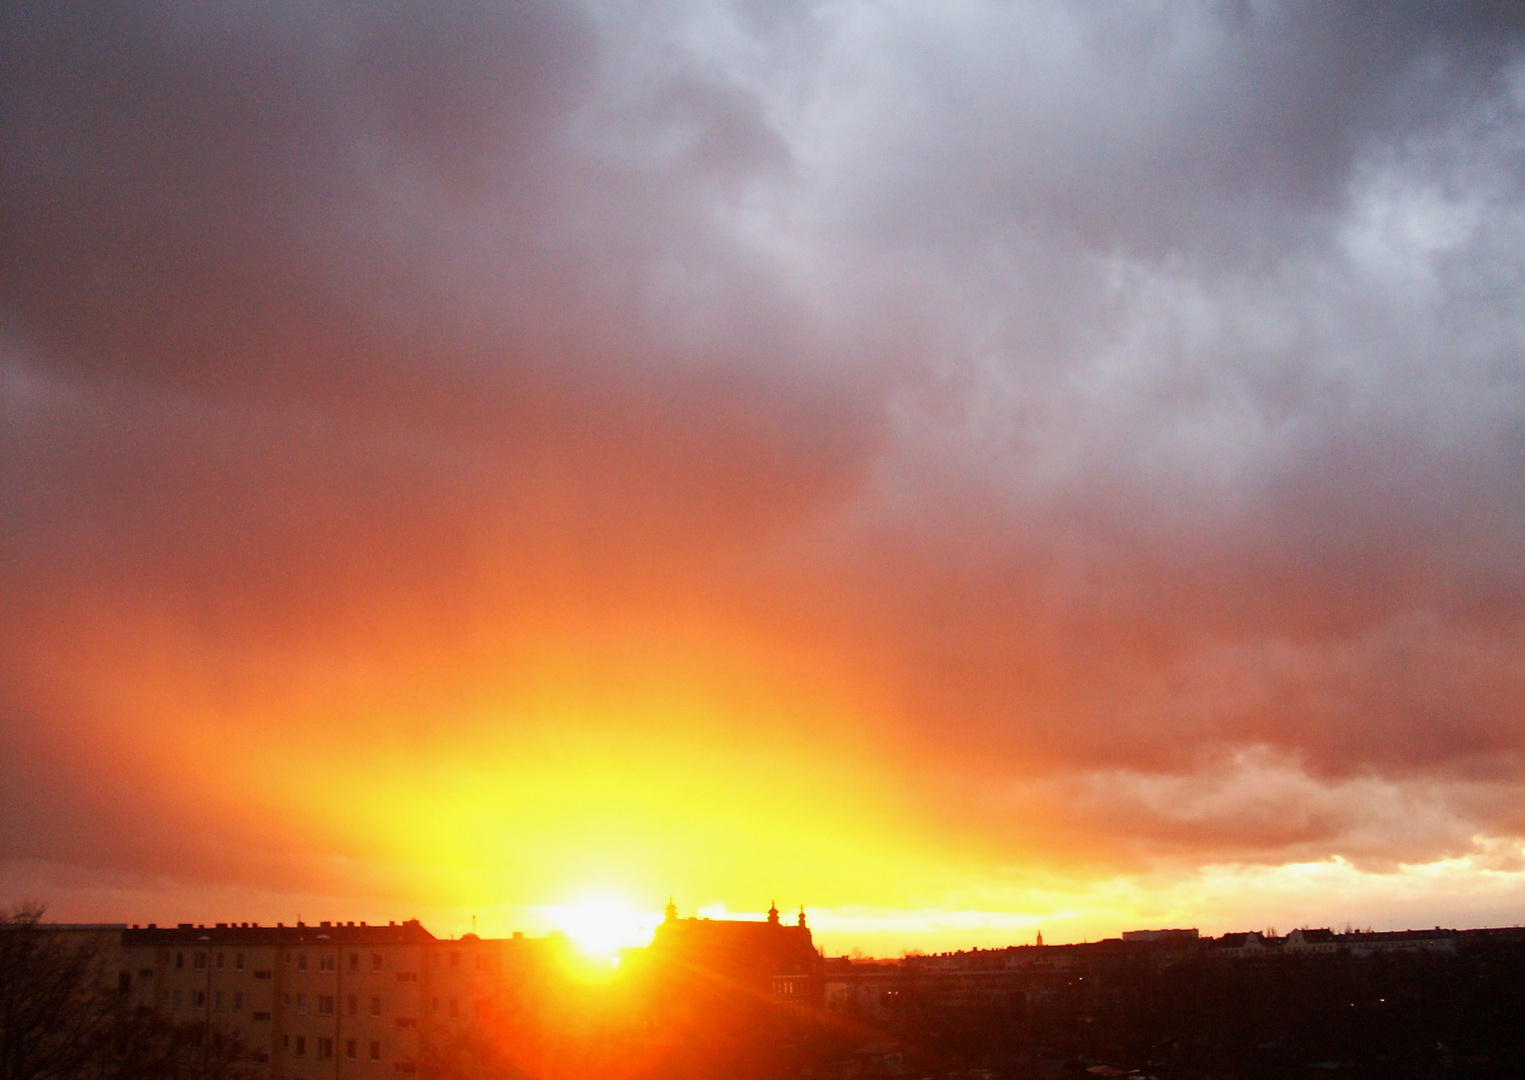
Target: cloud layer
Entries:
(1097, 435)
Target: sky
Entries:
(967, 468)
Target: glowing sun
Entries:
(600, 926)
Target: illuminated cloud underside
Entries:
(968, 469)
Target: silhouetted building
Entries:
(768, 960)
(1159, 935)
(717, 998)
(733, 998)
(1313, 942)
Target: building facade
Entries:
(325, 1002)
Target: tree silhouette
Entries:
(57, 1010)
(62, 1018)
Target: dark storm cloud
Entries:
(202, 199)
(1124, 389)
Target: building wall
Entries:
(317, 1002)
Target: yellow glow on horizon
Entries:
(665, 768)
(600, 925)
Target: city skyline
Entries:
(983, 467)
(755, 997)
(597, 955)
(599, 928)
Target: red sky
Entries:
(963, 468)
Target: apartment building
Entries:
(334, 1000)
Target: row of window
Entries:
(323, 1047)
(325, 1004)
(198, 1000)
(199, 961)
(328, 961)
(221, 1002)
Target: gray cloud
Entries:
(1122, 388)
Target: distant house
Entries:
(1173, 936)
(1395, 941)
(867, 988)
(1240, 946)
(1312, 942)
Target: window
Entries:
(287, 958)
(180, 959)
(217, 1001)
(124, 982)
(325, 1005)
(455, 1008)
(301, 961)
(238, 1002)
(286, 1001)
(301, 1045)
(405, 1022)
(200, 960)
(407, 976)
(220, 958)
(263, 974)
(326, 962)
(145, 973)
(455, 959)
(375, 961)
(262, 1018)
(177, 999)
(350, 1049)
(201, 999)
(375, 1006)
(353, 1005)
(354, 961)
(238, 961)
(325, 1048)
(285, 1042)
(375, 1050)
(301, 1003)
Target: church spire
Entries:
(773, 914)
(671, 910)
(802, 916)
